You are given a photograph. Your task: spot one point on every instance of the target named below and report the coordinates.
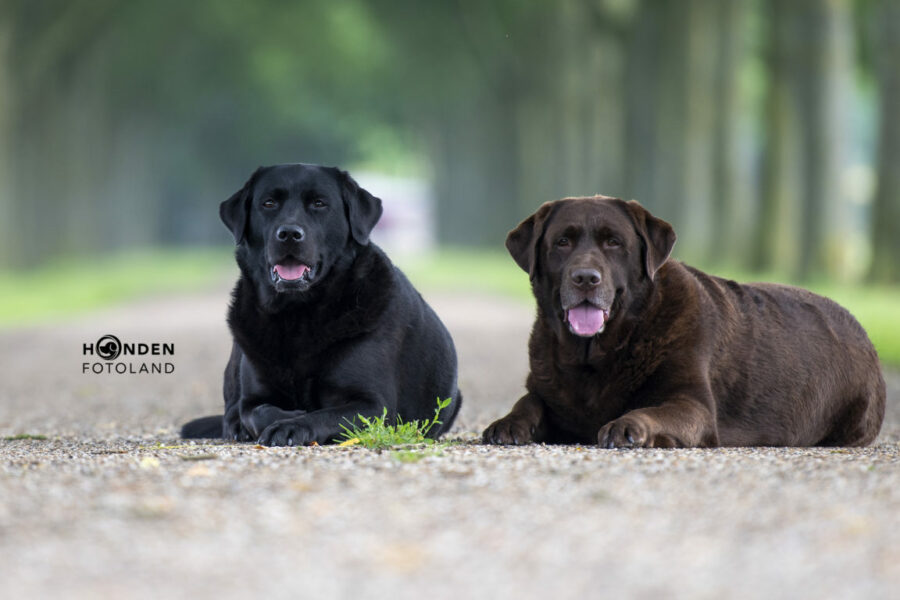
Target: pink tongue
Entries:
(291, 272)
(586, 319)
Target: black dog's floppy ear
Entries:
(236, 210)
(523, 241)
(363, 209)
(657, 235)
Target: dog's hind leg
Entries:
(203, 428)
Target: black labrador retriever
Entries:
(325, 327)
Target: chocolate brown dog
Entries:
(630, 349)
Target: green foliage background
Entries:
(766, 131)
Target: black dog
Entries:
(325, 328)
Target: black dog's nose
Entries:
(586, 277)
(290, 232)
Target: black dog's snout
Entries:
(293, 233)
(586, 278)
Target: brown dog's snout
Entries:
(293, 233)
(585, 278)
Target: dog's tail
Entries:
(204, 427)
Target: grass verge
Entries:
(66, 287)
(467, 271)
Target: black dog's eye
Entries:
(612, 243)
(269, 203)
(562, 242)
(318, 203)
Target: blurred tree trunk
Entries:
(726, 231)
(671, 106)
(56, 139)
(642, 88)
(583, 70)
(546, 99)
(777, 222)
(603, 152)
(825, 68)
(701, 106)
(670, 117)
(886, 209)
(476, 173)
(7, 226)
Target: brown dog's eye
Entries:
(269, 203)
(562, 243)
(612, 243)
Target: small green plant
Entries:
(25, 436)
(378, 433)
(413, 456)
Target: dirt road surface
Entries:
(113, 505)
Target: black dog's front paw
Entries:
(290, 432)
(234, 431)
(509, 431)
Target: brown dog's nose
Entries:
(290, 232)
(587, 278)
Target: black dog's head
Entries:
(588, 258)
(295, 224)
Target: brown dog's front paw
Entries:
(625, 432)
(509, 431)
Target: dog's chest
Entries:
(583, 401)
(582, 398)
(298, 389)
(291, 367)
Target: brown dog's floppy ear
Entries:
(236, 210)
(658, 237)
(363, 209)
(522, 242)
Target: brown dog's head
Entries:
(590, 258)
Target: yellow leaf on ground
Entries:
(350, 442)
(149, 462)
(198, 470)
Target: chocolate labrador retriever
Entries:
(325, 328)
(630, 349)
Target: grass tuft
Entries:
(413, 456)
(377, 433)
(25, 436)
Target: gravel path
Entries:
(112, 504)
